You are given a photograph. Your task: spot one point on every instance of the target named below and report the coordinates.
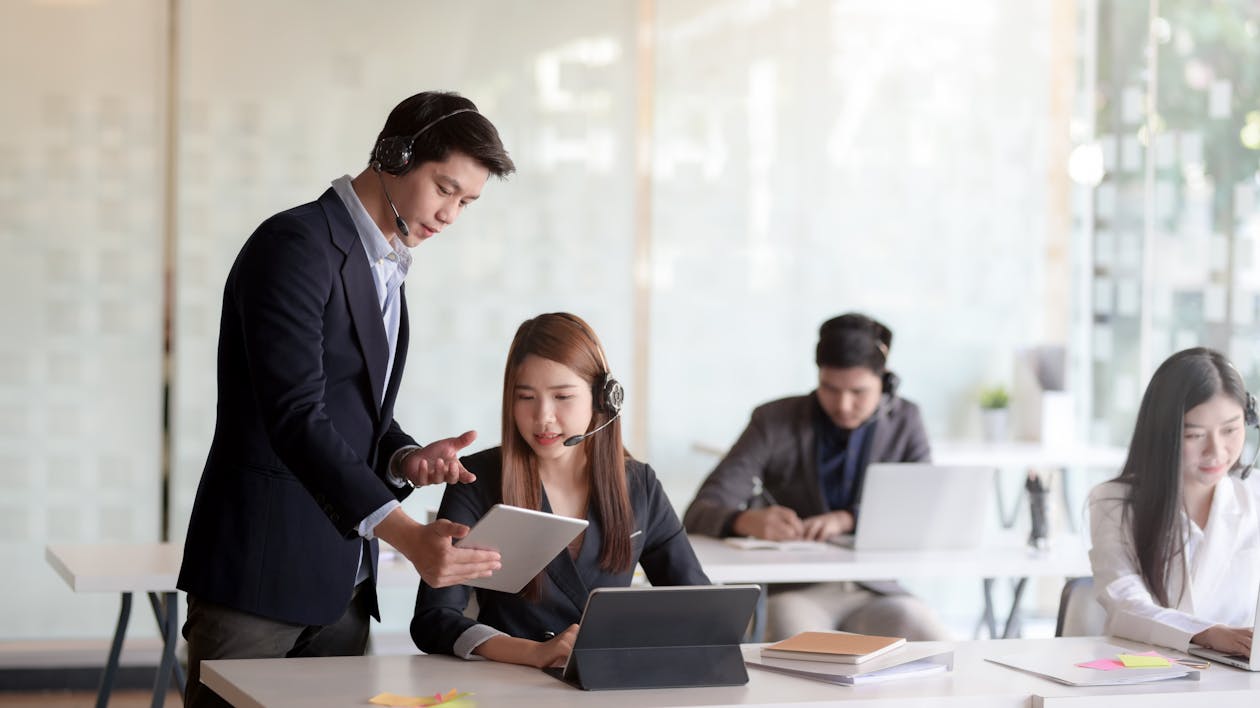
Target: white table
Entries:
(726, 565)
(128, 568)
(974, 683)
(1025, 456)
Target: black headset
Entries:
(1251, 419)
(394, 153)
(607, 394)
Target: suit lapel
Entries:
(882, 435)
(808, 452)
(400, 357)
(1214, 558)
(564, 573)
(360, 289)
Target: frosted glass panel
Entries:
(80, 361)
(820, 157)
(268, 125)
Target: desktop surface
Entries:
(342, 681)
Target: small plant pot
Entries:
(994, 424)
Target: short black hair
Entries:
(467, 131)
(853, 340)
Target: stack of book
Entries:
(850, 659)
(840, 647)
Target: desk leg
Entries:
(1065, 481)
(1011, 630)
(166, 612)
(987, 619)
(115, 650)
(757, 633)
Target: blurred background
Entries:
(1045, 197)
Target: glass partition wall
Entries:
(704, 181)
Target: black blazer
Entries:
(778, 447)
(300, 441)
(662, 549)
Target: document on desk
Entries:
(761, 544)
(1064, 669)
(909, 661)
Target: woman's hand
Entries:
(527, 652)
(1230, 640)
(555, 651)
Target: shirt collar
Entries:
(374, 242)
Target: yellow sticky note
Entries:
(1139, 661)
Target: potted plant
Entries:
(994, 412)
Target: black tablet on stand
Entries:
(668, 637)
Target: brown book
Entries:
(838, 647)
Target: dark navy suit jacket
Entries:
(301, 438)
(662, 549)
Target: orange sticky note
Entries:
(393, 700)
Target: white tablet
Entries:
(526, 540)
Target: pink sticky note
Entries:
(1102, 664)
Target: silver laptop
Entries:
(1235, 660)
(921, 507)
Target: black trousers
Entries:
(218, 632)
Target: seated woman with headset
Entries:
(1176, 535)
(796, 472)
(556, 387)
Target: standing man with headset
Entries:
(796, 472)
(308, 466)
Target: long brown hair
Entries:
(1153, 502)
(566, 339)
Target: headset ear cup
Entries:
(611, 396)
(393, 154)
(889, 382)
(1250, 416)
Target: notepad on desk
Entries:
(760, 544)
(834, 647)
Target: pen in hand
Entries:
(761, 494)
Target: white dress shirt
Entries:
(389, 262)
(1221, 561)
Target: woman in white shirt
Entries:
(1176, 535)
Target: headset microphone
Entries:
(579, 438)
(398, 220)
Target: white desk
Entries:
(1027, 454)
(1024, 456)
(726, 565)
(974, 683)
(128, 568)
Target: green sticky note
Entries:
(1139, 661)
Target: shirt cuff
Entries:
(472, 638)
(392, 474)
(367, 527)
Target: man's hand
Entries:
(430, 549)
(774, 523)
(1230, 640)
(828, 525)
(438, 462)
